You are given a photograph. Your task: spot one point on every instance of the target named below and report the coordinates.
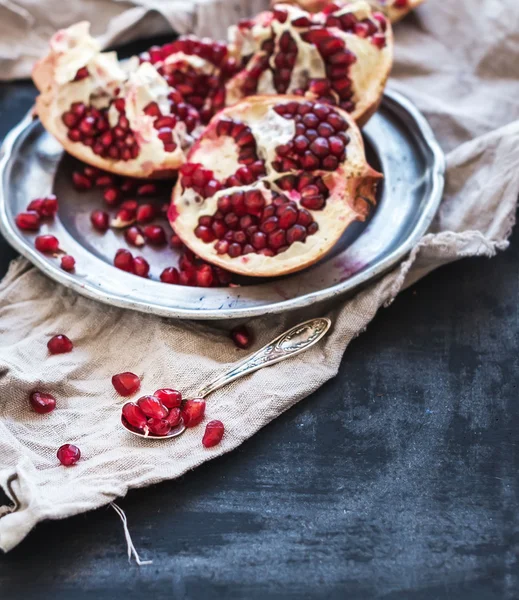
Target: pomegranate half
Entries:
(342, 55)
(123, 118)
(272, 184)
(394, 9)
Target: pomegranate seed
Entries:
(81, 182)
(241, 337)
(124, 260)
(176, 242)
(68, 455)
(126, 383)
(105, 180)
(100, 220)
(46, 243)
(159, 427)
(145, 213)
(134, 416)
(155, 235)
(169, 397)
(42, 403)
(112, 196)
(36, 206)
(152, 407)
(175, 414)
(170, 275)
(193, 412)
(204, 276)
(213, 435)
(142, 267)
(28, 221)
(147, 189)
(59, 344)
(68, 263)
(134, 237)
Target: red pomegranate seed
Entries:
(142, 267)
(81, 182)
(100, 220)
(59, 344)
(49, 207)
(42, 403)
(176, 242)
(46, 243)
(112, 196)
(152, 407)
(155, 235)
(134, 416)
(124, 260)
(134, 237)
(68, 455)
(213, 435)
(241, 336)
(35, 205)
(28, 221)
(126, 383)
(175, 414)
(204, 276)
(193, 412)
(159, 427)
(170, 275)
(147, 189)
(169, 397)
(145, 213)
(68, 263)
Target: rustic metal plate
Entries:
(399, 143)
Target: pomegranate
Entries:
(271, 185)
(124, 119)
(68, 455)
(213, 435)
(394, 9)
(342, 55)
(60, 344)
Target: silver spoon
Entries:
(292, 342)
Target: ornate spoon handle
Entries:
(292, 342)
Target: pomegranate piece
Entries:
(193, 412)
(68, 455)
(46, 243)
(213, 435)
(242, 337)
(134, 417)
(68, 263)
(28, 221)
(60, 344)
(152, 407)
(170, 398)
(160, 427)
(124, 260)
(268, 224)
(174, 417)
(100, 220)
(42, 403)
(126, 383)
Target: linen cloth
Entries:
(458, 64)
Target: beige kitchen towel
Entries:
(460, 66)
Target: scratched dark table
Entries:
(396, 480)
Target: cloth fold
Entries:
(455, 63)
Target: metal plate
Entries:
(399, 143)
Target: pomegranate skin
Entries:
(193, 412)
(68, 455)
(213, 435)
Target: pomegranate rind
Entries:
(368, 74)
(74, 48)
(387, 7)
(352, 194)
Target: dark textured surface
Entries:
(397, 480)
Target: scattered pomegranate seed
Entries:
(147, 189)
(155, 235)
(133, 235)
(176, 242)
(213, 435)
(174, 416)
(170, 275)
(81, 182)
(134, 416)
(68, 455)
(126, 383)
(160, 427)
(42, 403)
(169, 397)
(124, 260)
(193, 412)
(112, 196)
(68, 263)
(45, 207)
(242, 337)
(28, 221)
(59, 344)
(152, 407)
(46, 243)
(142, 268)
(100, 220)
(145, 213)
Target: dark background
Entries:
(396, 480)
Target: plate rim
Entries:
(88, 289)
